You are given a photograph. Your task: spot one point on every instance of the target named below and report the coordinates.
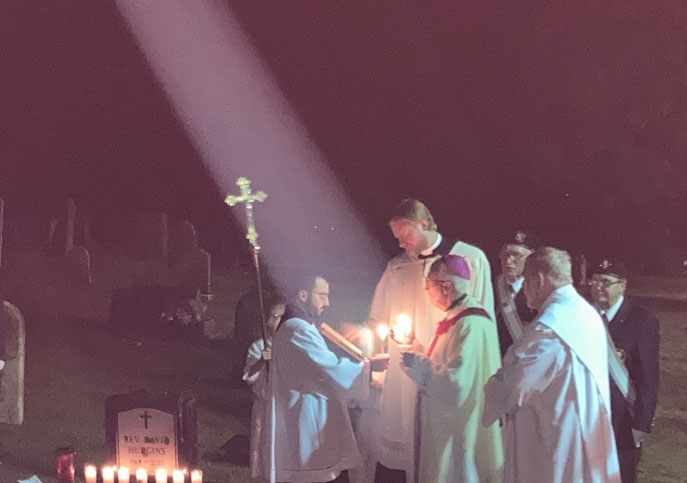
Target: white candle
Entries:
(141, 475)
(108, 474)
(383, 333)
(123, 475)
(90, 473)
(197, 476)
(403, 328)
(368, 341)
(178, 476)
(161, 476)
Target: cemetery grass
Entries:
(73, 364)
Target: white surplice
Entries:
(454, 445)
(401, 290)
(553, 393)
(308, 431)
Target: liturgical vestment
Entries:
(553, 391)
(454, 445)
(401, 290)
(308, 432)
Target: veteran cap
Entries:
(614, 268)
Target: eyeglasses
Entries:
(604, 283)
(431, 280)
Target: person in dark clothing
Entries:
(512, 312)
(635, 334)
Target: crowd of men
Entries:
(522, 380)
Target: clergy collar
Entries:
(517, 285)
(430, 250)
(613, 311)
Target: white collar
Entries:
(613, 311)
(434, 246)
(517, 285)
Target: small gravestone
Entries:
(79, 259)
(151, 431)
(12, 381)
(61, 234)
(193, 271)
(183, 238)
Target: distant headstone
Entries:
(151, 431)
(193, 271)
(153, 236)
(80, 263)
(158, 310)
(61, 232)
(183, 238)
(12, 380)
(2, 225)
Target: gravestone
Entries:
(183, 238)
(149, 431)
(153, 237)
(12, 381)
(157, 310)
(79, 259)
(2, 225)
(61, 233)
(193, 271)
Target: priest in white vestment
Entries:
(450, 375)
(401, 290)
(308, 434)
(553, 389)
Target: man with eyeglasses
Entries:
(401, 292)
(512, 312)
(634, 385)
(450, 374)
(308, 435)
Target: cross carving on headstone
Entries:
(248, 198)
(145, 416)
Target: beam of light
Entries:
(242, 125)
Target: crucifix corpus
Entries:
(247, 197)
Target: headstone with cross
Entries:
(151, 431)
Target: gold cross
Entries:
(247, 197)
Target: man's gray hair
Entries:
(553, 263)
(442, 272)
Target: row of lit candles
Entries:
(123, 475)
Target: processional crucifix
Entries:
(247, 197)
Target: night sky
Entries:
(566, 118)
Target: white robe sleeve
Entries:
(484, 292)
(527, 370)
(452, 372)
(257, 379)
(315, 362)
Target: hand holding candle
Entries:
(197, 476)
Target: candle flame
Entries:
(383, 331)
(404, 322)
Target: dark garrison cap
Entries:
(614, 268)
(525, 239)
